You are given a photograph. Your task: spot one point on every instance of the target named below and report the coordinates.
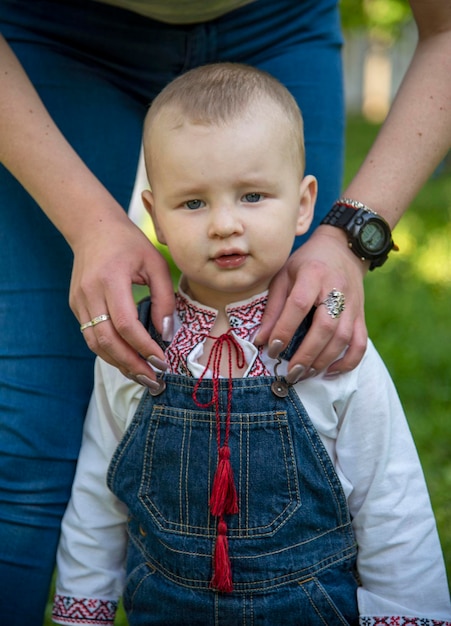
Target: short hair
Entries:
(220, 92)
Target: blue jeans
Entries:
(97, 68)
(291, 544)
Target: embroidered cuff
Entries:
(90, 611)
(395, 620)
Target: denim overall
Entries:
(291, 544)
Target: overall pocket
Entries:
(179, 463)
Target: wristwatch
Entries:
(369, 235)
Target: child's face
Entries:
(228, 201)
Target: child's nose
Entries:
(225, 220)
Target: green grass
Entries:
(408, 317)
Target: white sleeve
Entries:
(361, 422)
(91, 553)
(400, 560)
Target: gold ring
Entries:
(95, 320)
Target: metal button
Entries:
(279, 388)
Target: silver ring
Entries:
(334, 303)
(95, 320)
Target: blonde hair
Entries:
(219, 93)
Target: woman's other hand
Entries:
(322, 264)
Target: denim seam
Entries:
(296, 545)
(320, 450)
(325, 597)
(262, 554)
(127, 439)
(184, 382)
(297, 495)
(329, 599)
(244, 519)
(141, 581)
(216, 608)
(146, 474)
(277, 581)
(251, 602)
(182, 465)
(312, 604)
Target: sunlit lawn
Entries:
(408, 311)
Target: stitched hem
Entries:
(399, 620)
(92, 611)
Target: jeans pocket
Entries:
(329, 606)
(135, 581)
(179, 464)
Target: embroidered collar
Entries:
(197, 321)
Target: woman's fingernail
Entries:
(157, 363)
(275, 348)
(333, 374)
(310, 373)
(167, 328)
(295, 374)
(298, 372)
(155, 386)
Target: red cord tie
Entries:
(223, 498)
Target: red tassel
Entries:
(222, 575)
(224, 499)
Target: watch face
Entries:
(373, 236)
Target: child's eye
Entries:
(194, 204)
(252, 197)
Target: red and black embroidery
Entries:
(396, 620)
(84, 610)
(197, 322)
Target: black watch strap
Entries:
(340, 215)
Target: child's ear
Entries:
(149, 205)
(308, 193)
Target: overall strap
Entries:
(298, 336)
(144, 316)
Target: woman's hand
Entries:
(105, 267)
(322, 264)
(111, 253)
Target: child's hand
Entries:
(105, 268)
(322, 264)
